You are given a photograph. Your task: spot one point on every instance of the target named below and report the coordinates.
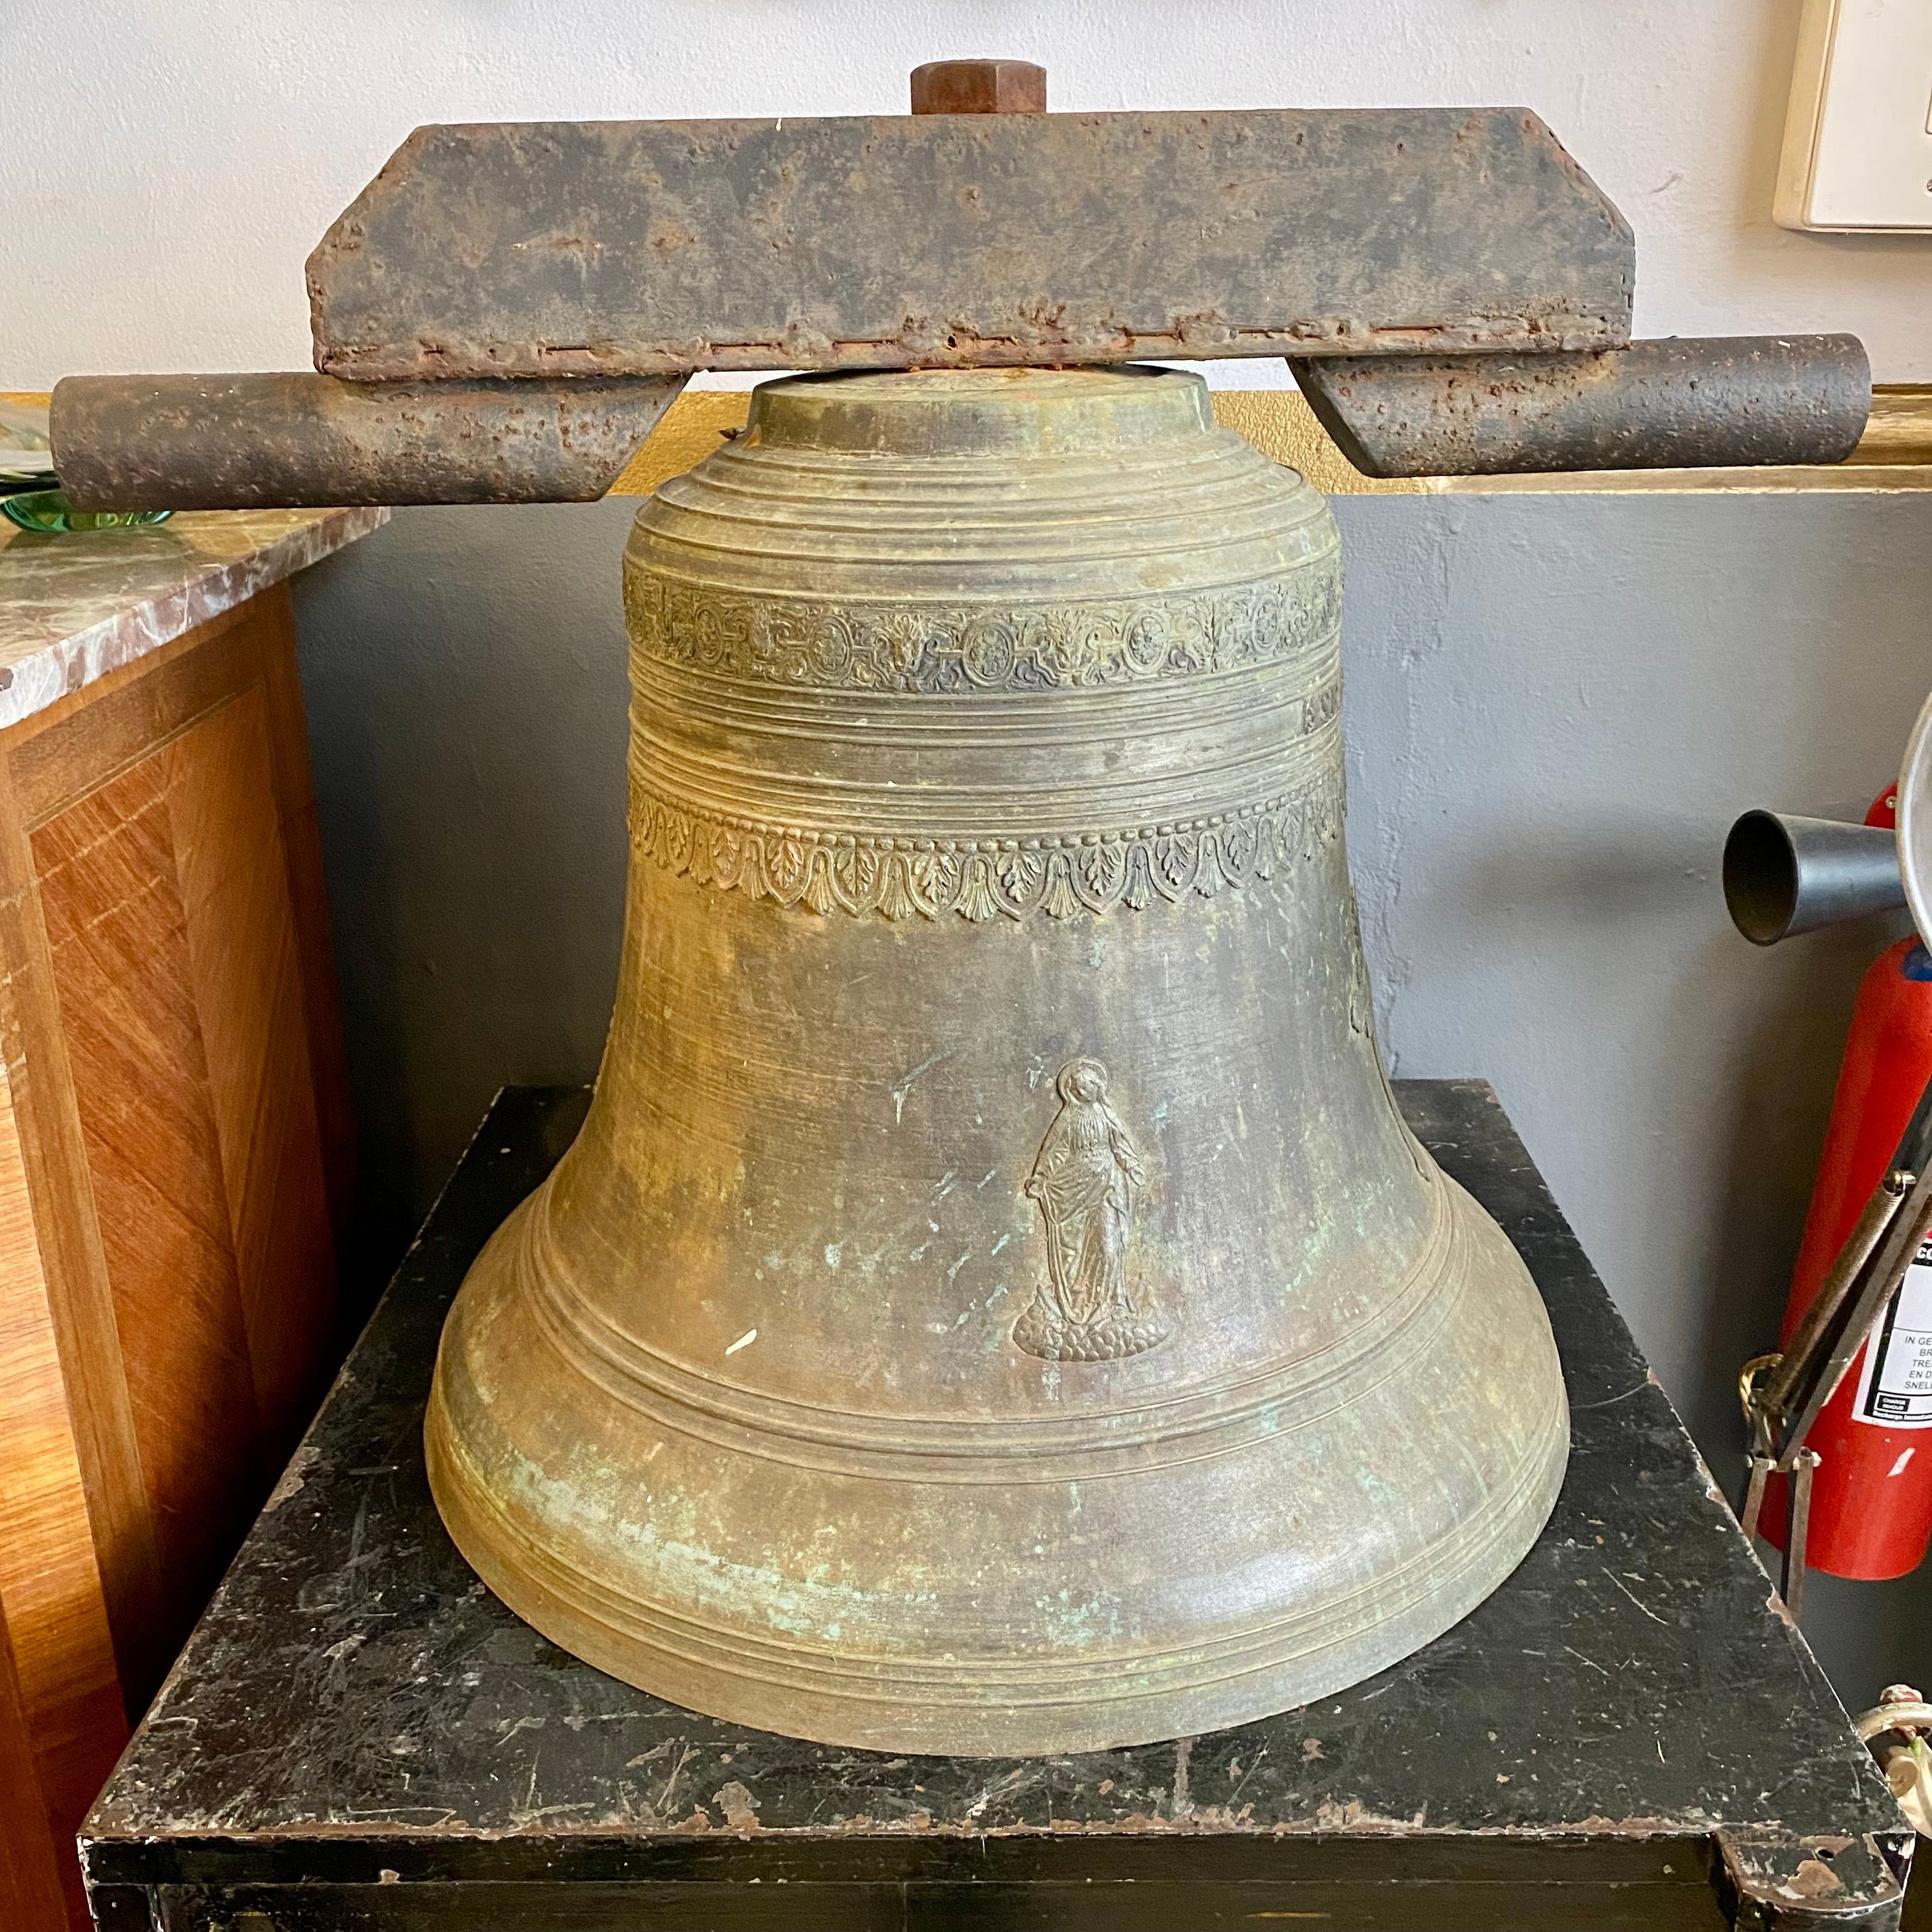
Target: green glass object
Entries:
(49, 511)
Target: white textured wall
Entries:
(168, 166)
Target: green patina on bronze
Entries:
(994, 1304)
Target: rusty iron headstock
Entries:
(504, 313)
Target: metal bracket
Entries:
(1784, 1394)
(1797, 1517)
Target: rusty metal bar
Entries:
(1687, 402)
(194, 442)
(650, 248)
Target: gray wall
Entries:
(1556, 704)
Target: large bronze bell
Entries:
(994, 1305)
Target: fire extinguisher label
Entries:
(1895, 1385)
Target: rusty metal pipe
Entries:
(1687, 402)
(252, 442)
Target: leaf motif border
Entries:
(980, 879)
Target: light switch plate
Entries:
(1857, 134)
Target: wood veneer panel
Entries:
(60, 754)
(51, 1602)
(31, 1893)
(52, 760)
(40, 1085)
(167, 1300)
(273, 618)
(247, 988)
(117, 929)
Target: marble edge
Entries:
(49, 672)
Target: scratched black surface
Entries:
(355, 1707)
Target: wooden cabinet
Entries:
(175, 1154)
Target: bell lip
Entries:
(917, 1724)
(939, 412)
(1207, 1672)
(1222, 1673)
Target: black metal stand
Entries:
(1629, 1733)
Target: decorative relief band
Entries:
(936, 650)
(978, 877)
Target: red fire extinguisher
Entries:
(1871, 1495)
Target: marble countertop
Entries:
(75, 607)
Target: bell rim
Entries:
(993, 1719)
(833, 1690)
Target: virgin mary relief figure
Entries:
(1084, 1178)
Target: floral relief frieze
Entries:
(938, 650)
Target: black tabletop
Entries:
(359, 1734)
